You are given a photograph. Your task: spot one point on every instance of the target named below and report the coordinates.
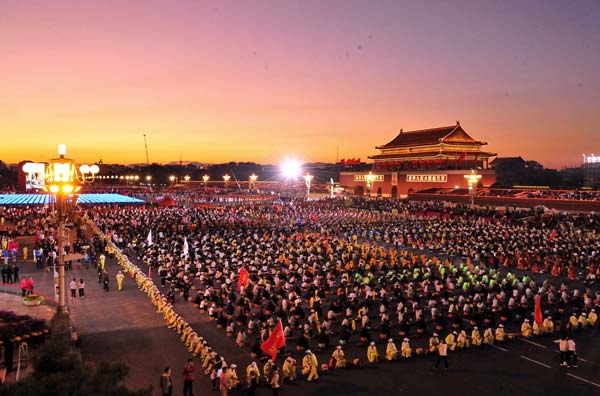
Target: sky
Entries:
(217, 81)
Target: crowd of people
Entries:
(376, 273)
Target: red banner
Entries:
(537, 313)
(243, 279)
(275, 341)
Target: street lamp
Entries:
(226, 177)
(186, 178)
(63, 181)
(472, 180)
(172, 179)
(205, 179)
(148, 179)
(252, 179)
(307, 180)
(370, 178)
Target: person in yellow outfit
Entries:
(310, 364)
(232, 378)
(289, 368)
(268, 370)
(451, 340)
(476, 337)
(372, 354)
(391, 351)
(593, 317)
(405, 348)
(488, 336)
(252, 375)
(434, 342)
(500, 335)
(573, 321)
(526, 330)
(583, 320)
(462, 341)
(338, 357)
(537, 330)
(548, 325)
(120, 278)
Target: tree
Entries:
(59, 371)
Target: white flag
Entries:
(186, 247)
(149, 239)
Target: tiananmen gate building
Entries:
(421, 160)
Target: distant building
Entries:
(420, 160)
(591, 171)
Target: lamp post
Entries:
(472, 180)
(205, 179)
(172, 179)
(148, 179)
(252, 180)
(63, 182)
(370, 178)
(226, 178)
(308, 180)
(186, 178)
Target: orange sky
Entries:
(257, 81)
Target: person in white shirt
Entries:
(563, 348)
(73, 286)
(572, 352)
(442, 354)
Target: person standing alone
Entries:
(166, 385)
(73, 287)
(188, 377)
(442, 354)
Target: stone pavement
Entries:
(122, 327)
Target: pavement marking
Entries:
(584, 380)
(535, 361)
(497, 347)
(578, 358)
(533, 343)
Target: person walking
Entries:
(563, 347)
(275, 382)
(105, 279)
(442, 354)
(572, 352)
(81, 288)
(120, 278)
(166, 384)
(223, 381)
(188, 377)
(73, 287)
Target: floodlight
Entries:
(290, 168)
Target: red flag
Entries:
(552, 235)
(537, 313)
(149, 272)
(243, 279)
(275, 341)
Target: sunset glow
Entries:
(261, 80)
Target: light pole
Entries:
(63, 182)
(308, 180)
(205, 179)
(148, 179)
(370, 178)
(252, 178)
(472, 180)
(226, 178)
(172, 179)
(186, 178)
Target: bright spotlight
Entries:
(291, 168)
